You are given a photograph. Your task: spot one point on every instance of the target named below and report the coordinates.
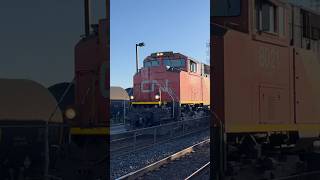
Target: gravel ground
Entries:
(122, 165)
(183, 167)
(204, 175)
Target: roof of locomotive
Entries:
(301, 7)
(167, 54)
(118, 93)
(26, 100)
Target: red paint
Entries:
(90, 54)
(260, 78)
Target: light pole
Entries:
(137, 54)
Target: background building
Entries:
(119, 100)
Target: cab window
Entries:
(305, 18)
(177, 63)
(266, 16)
(225, 8)
(151, 63)
(206, 69)
(193, 66)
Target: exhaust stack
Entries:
(87, 17)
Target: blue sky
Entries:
(37, 38)
(164, 25)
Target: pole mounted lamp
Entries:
(137, 55)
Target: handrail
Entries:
(131, 141)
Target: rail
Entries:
(32, 125)
(139, 139)
(200, 172)
(156, 165)
(302, 176)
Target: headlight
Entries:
(70, 113)
(131, 97)
(157, 96)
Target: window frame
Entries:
(305, 23)
(193, 66)
(214, 4)
(182, 63)
(206, 69)
(272, 17)
(150, 62)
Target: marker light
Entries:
(159, 54)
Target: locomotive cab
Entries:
(165, 61)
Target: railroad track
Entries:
(146, 142)
(140, 139)
(177, 166)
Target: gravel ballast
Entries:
(122, 165)
(182, 167)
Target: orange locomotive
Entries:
(266, 57)
(172, 80)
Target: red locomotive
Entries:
(85, 105)
(170, 80)
(266, 78)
